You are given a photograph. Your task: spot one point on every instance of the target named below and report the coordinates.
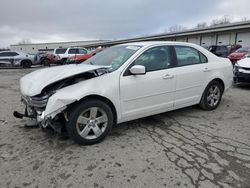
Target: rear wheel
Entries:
(212, 96)
(89, 122)
(26, 64)
(46, 62)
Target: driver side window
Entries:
(156, 58)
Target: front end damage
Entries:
(49, 108)
(35, 108)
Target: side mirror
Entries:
(138, 70)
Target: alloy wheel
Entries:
(213, 96)
(91, 123)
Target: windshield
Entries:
(242, 50)
(113, 57)
(60, 50)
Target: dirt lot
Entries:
(184, 148)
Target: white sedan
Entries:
(242, 70)
(124, 83)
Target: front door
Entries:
(153, 92)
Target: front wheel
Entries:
(212, 96)
(89, 122)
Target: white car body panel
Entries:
(65, 95)
(146, 93)
(46, 76)
(244, 62)
(133, 96)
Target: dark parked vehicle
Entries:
(221, 51)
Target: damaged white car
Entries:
(123, 83)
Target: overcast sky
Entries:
(66, 20)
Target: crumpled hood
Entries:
(34, 82)
(244, 62)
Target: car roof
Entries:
(151, 43)
(10, 51)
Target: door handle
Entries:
(168, 76)
(206, 70)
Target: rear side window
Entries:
(221, 49)
(3, 54)
(189, 56)
(13, 54)
(82, 51)
(8, 54)
(73, 51)
(61, 50)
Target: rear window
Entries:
(60, 51)
(222, 49)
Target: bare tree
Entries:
(244, 19)
(176, 28)
(25, 41)
(201, 25)
(226, 19)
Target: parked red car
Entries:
(239, 54)
(80, 58)
(233, 48)
(48, 59)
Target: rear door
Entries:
(191, 74)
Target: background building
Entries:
(49, 47)
(227, 34)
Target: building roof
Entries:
(197, 31)
(47, 43)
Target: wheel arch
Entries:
(220, 81)
(101, 98)
(26, 60)
(214, 79)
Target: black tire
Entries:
(73, 126)
(26, 64)
(45, 62)
(208, 96)
(63, 61)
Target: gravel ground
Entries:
(183, 148)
